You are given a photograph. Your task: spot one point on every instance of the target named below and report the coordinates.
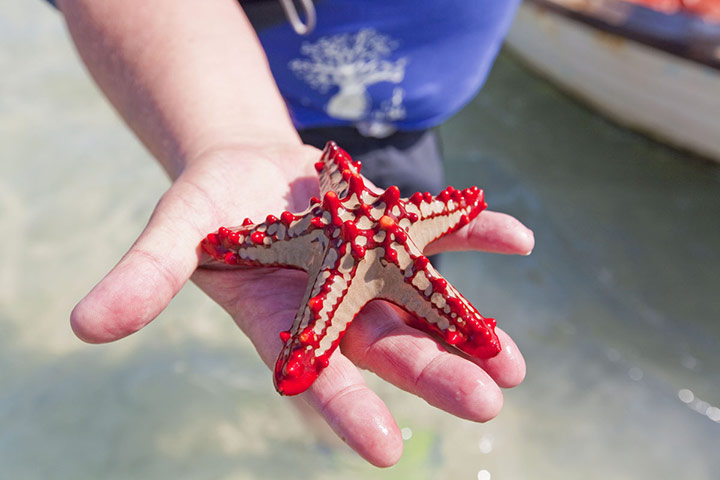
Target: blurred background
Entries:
(616, 311)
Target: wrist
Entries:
(265, 146)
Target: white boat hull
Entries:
(666, 96)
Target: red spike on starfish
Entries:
(351, 235)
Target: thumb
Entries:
(151, 273)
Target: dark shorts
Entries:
(410, 160)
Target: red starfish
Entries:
(357, 246)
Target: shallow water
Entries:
(615, 310)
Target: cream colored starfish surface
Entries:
(357, 246)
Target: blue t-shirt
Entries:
(397, 64)
(409, 64)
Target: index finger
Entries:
(490, 231)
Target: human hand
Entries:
(263, 301)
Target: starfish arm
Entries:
(413, 284)
(442, 214)
(335, 169)
(292, 241)
(333, 298)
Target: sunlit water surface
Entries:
(616, 310)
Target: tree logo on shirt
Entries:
(351, 62)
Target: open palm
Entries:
(226, 186)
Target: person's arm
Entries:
(191, 80)
(188, 77)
